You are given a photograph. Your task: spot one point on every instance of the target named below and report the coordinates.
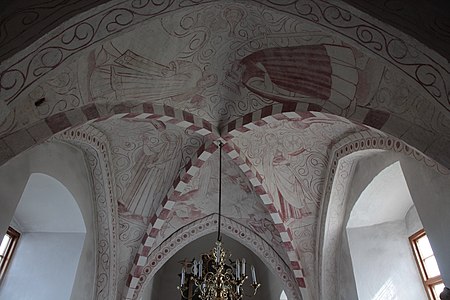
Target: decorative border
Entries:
(96, 148)
(19, 141)
(167, 204)
(366, 116)
(93, 142)
(262, 118)
(418, 63)
(189, 233)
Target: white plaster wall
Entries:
(383, 263)
(47, 206)
(66, 164)
(412, 221)
(346, 279)
(166, 280)
(429, 190)
(431, 193)
(39, 273)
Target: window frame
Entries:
(428, 282)
(15, 235)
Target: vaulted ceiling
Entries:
(150, 85)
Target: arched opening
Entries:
(378, 231)
(356, 172)
(52, 238)
(165, 281)
(48, 192)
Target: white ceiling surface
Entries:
(47, 206)
(385, 199)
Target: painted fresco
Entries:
(302, 73)
(240, 203)
(126, 76)
(221, 62)
(292, 158)
(147, 156)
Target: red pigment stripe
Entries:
(154, 232)
(207, 125)
(301, 282)
(188, 116)
(266, 111)
(231, 125)
(153, 219)
(120, 109)
(58, 122)
(146, 251)
(295, 265)
(376, 118)
(247, 118)
(148, 108)
(169, 111)
(288, 246)
(164, 214)
(288, 107)
(90, 111)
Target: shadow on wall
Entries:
(52, 237)
(52, 209)
(378, 229)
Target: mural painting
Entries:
(147, 156)
(292, 156)
(303, 73)
(121, 76)
(240, 203)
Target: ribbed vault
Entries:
(146, 87)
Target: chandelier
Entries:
(211, 277)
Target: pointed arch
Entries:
(199, 228)
(331, 218)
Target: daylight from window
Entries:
(427, 264)
(6, 248)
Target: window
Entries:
(427, 264)
(6, 248)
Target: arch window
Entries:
(427, 264)
(7, 247)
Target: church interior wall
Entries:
(55, 159)
(91, 63)
(34, 266)
(383, 261)
(426, 203)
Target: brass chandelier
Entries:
(210, 277)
